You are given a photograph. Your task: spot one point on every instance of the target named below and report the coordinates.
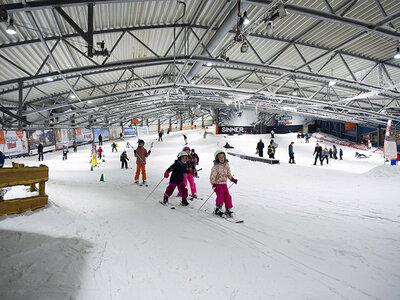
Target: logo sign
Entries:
(349, 126)
(135, 121)
(389, 125)
(235, 129)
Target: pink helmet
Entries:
(186, 148)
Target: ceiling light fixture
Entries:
(49, 79)
(332, 82)
(282, 12)
(246, 20)
(270, 28)
(90, 101)
(72, 96)
(209, 64)
(397, 55)
(294, 93)
(244, 47)
(224, 57)
(11, 28)
(192, 81)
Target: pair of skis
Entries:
(142, 184)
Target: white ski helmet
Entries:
(182, 153)
(219, 152)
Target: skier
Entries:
(260, 148)
(75, 145)
(325, 155)
(341, 154)
(128, 145)
(191, 167)
(272, 134)
(196, 159)
(185, 138)
(141, 153)
(100, 152)
(318, 152)
(160, 134)
(219, 174)
(65, 152)
(271, 149)
(307, 138)
(114, 147)
(178, 169)
(291, 153)
(40, 151)
(123, 158)
(94, 156)
(334, 152)
(369, 146)
(100, 140)
(330, 153)
(2, 159)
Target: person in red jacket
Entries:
(141, 153)
(99, 152)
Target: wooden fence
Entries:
(22, 175)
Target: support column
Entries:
(357, 134)
(147, 122)
(159, 126)
(216, 120)
(192, 124)
(180, 117)
(20, 101)
(170, 125)
(202, 121)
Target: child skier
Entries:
(185, 139)
(123, 158)
(100, 151)
(341, 154)
(178, 169)
(191, 167)
(141, 153)
(219, 174)
(65, 152)
(114, 147)
(94, 156)
(196, 160)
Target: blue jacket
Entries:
(2, 157)
(291, 148)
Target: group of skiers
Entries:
(270, 150)
(183, 170)
(325, 154)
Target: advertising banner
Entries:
(115, 132)
(143, 130)
(35, 137)
(13, 142)
(103, 132)
(64, 136)
(130, 131)
(389, 125)
(390, 149)
(83, 135)
(235, 129)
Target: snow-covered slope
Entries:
(310, 232)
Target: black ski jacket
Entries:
(178, 169)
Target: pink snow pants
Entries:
(223, 195)
(181, 188)
(189, 177)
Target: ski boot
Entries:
(144, 183)
(165, 200)
(229, 212)
(137, 182)
(218, 210)
(185, 202)
(193, 196)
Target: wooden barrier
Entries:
(29, 176)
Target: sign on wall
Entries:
(35, 137)
(130, 131)
(13, 142)
(235, 129)
(83, 135)
(143, 130)
(103, 132)
(349, 126)
(64, 136)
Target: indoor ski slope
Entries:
(310, 232)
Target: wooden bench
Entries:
(19, 174)
(255, 158)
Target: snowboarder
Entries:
(100, 152)
(185, 138)
(260, 148)
(75, 145)
(191, 167)
(100, 140)
(123, 158)
(227, 146)
(65, 152)
(334, 152)
(291, 153)
(40, 152)
(271, 149)
(219, 174)
(94, 156)
(141, 153)
(114, 147)
(178, 169)
(318, 152)
(360, 155)
(272, 134)
(2, 159)
(341, 154)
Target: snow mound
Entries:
(384, 171)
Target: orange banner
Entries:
(135, 121)
(349, 126)
(2, 141)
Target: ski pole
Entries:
(153, 189)
(211, 195)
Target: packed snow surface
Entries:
(309, 232)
